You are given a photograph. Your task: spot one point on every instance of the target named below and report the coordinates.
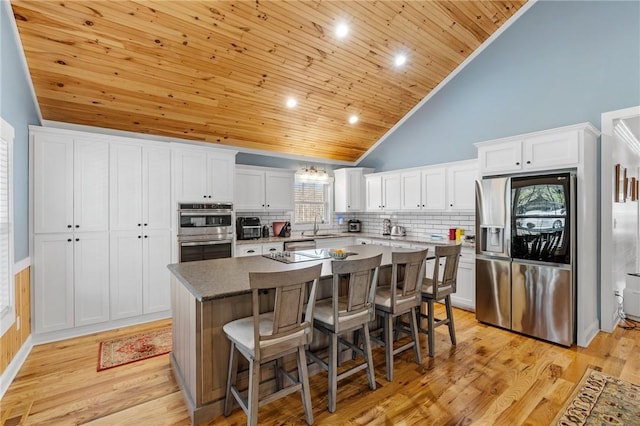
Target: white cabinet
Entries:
(465, 295)
(71, 184)
(349, 189)
(364, 241)
(423, 189)
(203, 174)
(383, 192)
(71, 282)
(542, 151)
(248, 250)
(140, 187)
(461, 185)
(140, 280)
(270, 248)
(243, 250)
(258, 189)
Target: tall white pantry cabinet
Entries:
(102, 231)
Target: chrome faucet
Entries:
(316, 228)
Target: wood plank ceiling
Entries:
(221, 71)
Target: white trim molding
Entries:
(14, 366)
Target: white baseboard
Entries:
(54, 336)
(588, 334)
(14, 366)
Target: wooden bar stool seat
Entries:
(439, 288)
(401, 297)
(346, 313)
(271, 335)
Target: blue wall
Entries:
(560, 63)
(18, 109)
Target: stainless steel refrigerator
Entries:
(525, 255)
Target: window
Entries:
(312, 201)
(7, 308)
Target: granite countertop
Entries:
(219, 278)
(322, 235)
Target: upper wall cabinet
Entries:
(423, 189)
(542, 151)
(71, 183)
(258, 188)
(140, 181)
(203, 174)
(445, 187)
(383, 192)
(349, 189)
(461, 185)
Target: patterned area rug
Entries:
(125, 350)
(600, 399)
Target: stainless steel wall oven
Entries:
(205, 231)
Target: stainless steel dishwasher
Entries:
(299, 245)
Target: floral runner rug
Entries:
(600, 399)
(128, 349)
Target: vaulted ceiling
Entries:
(221, 71)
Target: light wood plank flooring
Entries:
(492, 377)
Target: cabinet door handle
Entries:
(209, 196)
(139, 236)
(528, 162)
(139, 224)
(517, 163)
(69, 226)
(69, 239)
(418, 205)
(146, 236)
(273, 249)
(450, 205)
(204, 196)
(77, 239)
(423, 205)
(77, 226)
(251, 251)
(268, 205)
(146, 224)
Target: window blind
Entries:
(310, 201)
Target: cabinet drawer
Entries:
(248, 250)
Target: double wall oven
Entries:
(205, 231)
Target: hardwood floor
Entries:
(492, 377)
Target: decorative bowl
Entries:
(338, 254)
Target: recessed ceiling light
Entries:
(291, 103)
(353, 119)
(399, 60)
(342, 30)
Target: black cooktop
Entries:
(299, 255)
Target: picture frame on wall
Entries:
(625, 186)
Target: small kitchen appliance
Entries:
(398, 231)
(355, 225)
(248, 228)
(386, 227)
(265, 231)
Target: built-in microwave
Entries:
(205, 231)
(205, 219)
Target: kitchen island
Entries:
(207, 294)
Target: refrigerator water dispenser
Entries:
(492, 240)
